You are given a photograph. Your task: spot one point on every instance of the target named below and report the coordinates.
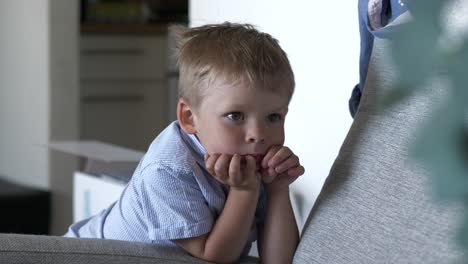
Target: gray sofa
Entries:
(376, 205)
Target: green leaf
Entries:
(440, 146)
(462, 236)
(392, 97)
(442, 143)
(415, 45)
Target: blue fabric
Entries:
(391, 9)
(170, 196)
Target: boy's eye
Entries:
(274, 117)
(235, 116)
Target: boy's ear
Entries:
(186, 117)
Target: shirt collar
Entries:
(197, 144)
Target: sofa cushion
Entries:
(49, 249)
(376, 205)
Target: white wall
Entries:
(24, 86)
(39, 97)
(322, 42)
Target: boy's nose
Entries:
(255, 134)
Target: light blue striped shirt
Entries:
(170, 196)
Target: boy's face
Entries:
(236, 119)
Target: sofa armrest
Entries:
(15, 248)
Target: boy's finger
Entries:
(268, 175)
(250, 166)
(270, 153)
(296, 171)
(210, 161)
(235, 167)
(280, 156)
(221, 166)
(291, 162)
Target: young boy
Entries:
(218, 178)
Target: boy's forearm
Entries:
(280, 234)
(229, 235)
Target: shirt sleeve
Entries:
(173, 204)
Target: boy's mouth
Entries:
(258, 161)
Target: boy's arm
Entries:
(279, 234)
(228, 237)
(226, 241)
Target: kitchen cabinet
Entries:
(123, 88)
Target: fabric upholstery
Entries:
(377, 204)
(49, 249)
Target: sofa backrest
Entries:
(377, 205)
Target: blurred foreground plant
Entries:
(421, 51)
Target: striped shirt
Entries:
(170, 196)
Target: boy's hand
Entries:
(233, 171)
(280, 167)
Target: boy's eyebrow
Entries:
(281, 108)
(240, 106)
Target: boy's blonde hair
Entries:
(236, 53)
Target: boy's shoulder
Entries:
(172, 150)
